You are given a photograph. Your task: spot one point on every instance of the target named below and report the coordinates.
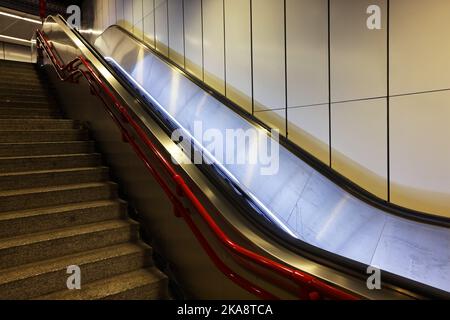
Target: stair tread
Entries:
(9, 215)
(9, 193)
(42, 131)
(50, 156)
(31, 117)
(21, 173)
(38, 120)
(102, 289)
(61, 263)
(44, 143)
(68, 232)
(12, 107)
(28, 149)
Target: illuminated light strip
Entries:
(210, 156)
(17, 39)
(19, 17)
(91, 31)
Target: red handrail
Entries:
(309, 286)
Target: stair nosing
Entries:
(45, 142)
(62, 233)
(53, 156)
(46, 266)
(11, 215)
(56, 188)
(156, 277)
(50, 171)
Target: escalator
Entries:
(292, 209)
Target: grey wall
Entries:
(362, 101)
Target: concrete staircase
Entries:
(58, 207)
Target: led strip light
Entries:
(210, 156)
(10, 15)
(16, 39)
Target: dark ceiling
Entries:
(32, 6)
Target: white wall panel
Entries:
(105, 13)
(97, 15)
(359, 143)
(358, 55)
(308, 127)
(193, 33)
(418, 62)
(149, 22)
(176, 31)
(420, 152)
(269, 54)
(138, 22)
(161, 32)
(307, 52)
(128, 15)
(112, 12)
(238, 52)
(213, 41)
(419, 45)
(120, 12)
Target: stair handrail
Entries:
(309, 286)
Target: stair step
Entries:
(48, 276)
(26, 101)
(36, 179)
(60, 242)
(56, 195)
(39, 124)
(142, 284)
(23, 71)
(21, 74)
(24, 95)
(56, 116)
(21, 79)
(17, 64)
(16, 223)
(27, 104)
(8, 136)
(10, 66)
(17, 83)
(46, 148)
(12, 112)
(22, 90)
(18, 70)
(50, 162)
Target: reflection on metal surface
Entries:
(301, 201)
(206, 153)
(14, 16)
(15, 40)
(90, 32)
(16, 52)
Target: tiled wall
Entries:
(362, 101)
